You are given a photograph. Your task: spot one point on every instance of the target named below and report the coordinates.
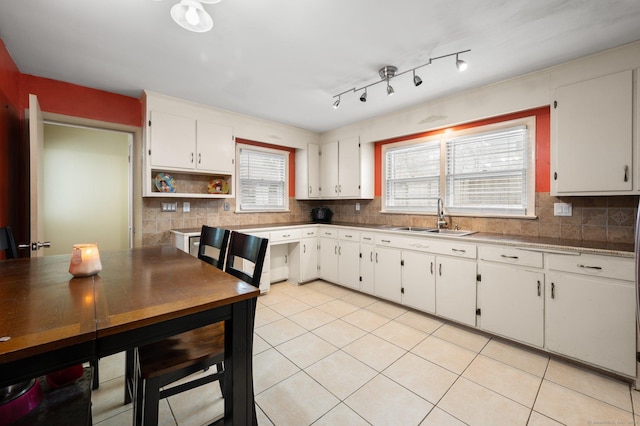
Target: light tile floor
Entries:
(326, 355)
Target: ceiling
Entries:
(284, 60)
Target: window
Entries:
(413, 175)
(262, 179)
(487, 170)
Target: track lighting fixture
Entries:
(389, 72)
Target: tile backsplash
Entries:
(610, 219)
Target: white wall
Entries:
(86, 188)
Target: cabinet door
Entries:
(367, 265)
(387, 273)
(512, 302)
(172, 140)
(593, 140)
(328, 259)
(309, 259)
(308, 172)
(349, 168)
(592, 319)
(456, 290)
(349, 264)
(419, 281)
(215, 149)
(329, 170)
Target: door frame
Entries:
(135, 158)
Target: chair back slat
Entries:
(246, 247)
(7, 243)
(217, 238)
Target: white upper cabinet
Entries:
(185, 143)
(345, 170)
(592, 142)
(308, 172)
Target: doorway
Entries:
(87, 187)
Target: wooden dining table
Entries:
(142, 295)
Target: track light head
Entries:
(460, 64)
(363, 97)
(336, 104)
(417, 81)
(390, 90)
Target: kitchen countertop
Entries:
(541, 243)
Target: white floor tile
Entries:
(341, 374)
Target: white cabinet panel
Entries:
(308, 172)
(215, 148)
(388, 274)
(592, 137)
(592, 319)
(512, 302)
(367, 267)
(172, 140)
(456, 289)
(419, 281)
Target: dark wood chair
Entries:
(7, 243)
(160, 364)
(213, 240)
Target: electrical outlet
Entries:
(169, 207)
(186, 207)
(562, 209)
(357, 207)
(227, 206)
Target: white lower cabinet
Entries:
(456, 289)
(592, 319)
(512, 302)
(328, 257)
(367, 263)
(349, 264)
(388, 273)
(419, 281)
(308, 259)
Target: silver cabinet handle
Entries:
(626, 173)
(440, 269)
(458, 250)
(286, 235)
(336, 189)
(509, 257)
(199, 158)
(286, 259)
(538, 288)
(431, 268)
(553, 291)
(589, 267)
(310, 189)
(304, 248)
(335, 249)
(192, 157)
(376, 257)
(386, 241)
(348, 236)
(371, 256)
(339, 251)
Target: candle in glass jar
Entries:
(85, 260)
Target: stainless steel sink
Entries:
(441, 231)
(454, 232)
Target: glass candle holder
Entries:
(85, 260)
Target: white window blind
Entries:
(412, 176)
(262, 178)
(487, 172)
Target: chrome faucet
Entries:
(442, 221)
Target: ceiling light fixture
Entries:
(389, 71)
(190, 15)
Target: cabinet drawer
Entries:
(286, 235)
(328, 232)
(349, 235)
(451, 248)
(602, 266)
(510, 255)
(388, 240)
(367, 238)
(309, 232)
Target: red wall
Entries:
(543, 137)
(79, 101)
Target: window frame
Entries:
(239, 203)
(529, 122)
